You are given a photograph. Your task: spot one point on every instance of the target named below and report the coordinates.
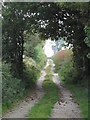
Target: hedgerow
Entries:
(12, 88)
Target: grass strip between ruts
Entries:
(44, 107)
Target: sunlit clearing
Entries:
(48, 48)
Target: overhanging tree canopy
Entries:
(50, 20)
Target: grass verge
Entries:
(11, 105)
(0, 109)
(80, 94)
(43, 109)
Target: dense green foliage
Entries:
(67, 69)
(20, 71)
(69, 73)
(31, 41)
(33, 47)
(80, 40)
(61, 21)
(12, 88)
(62, 57)
(39, 56)
(31, 72)
(43, 109)
(87, 38)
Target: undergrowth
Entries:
(15, 89)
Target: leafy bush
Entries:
(15, 88)
(39, 56)
(12, 88)
(30, 42)
(48, 72)
(68, 73)
(33, 47)
(31, 72)
(61, 58)
(87, 39)
(64, 65)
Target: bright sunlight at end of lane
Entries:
(48, 48)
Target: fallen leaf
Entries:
(59, 103)
(62, 100)
(70, 95)
(31, 98)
